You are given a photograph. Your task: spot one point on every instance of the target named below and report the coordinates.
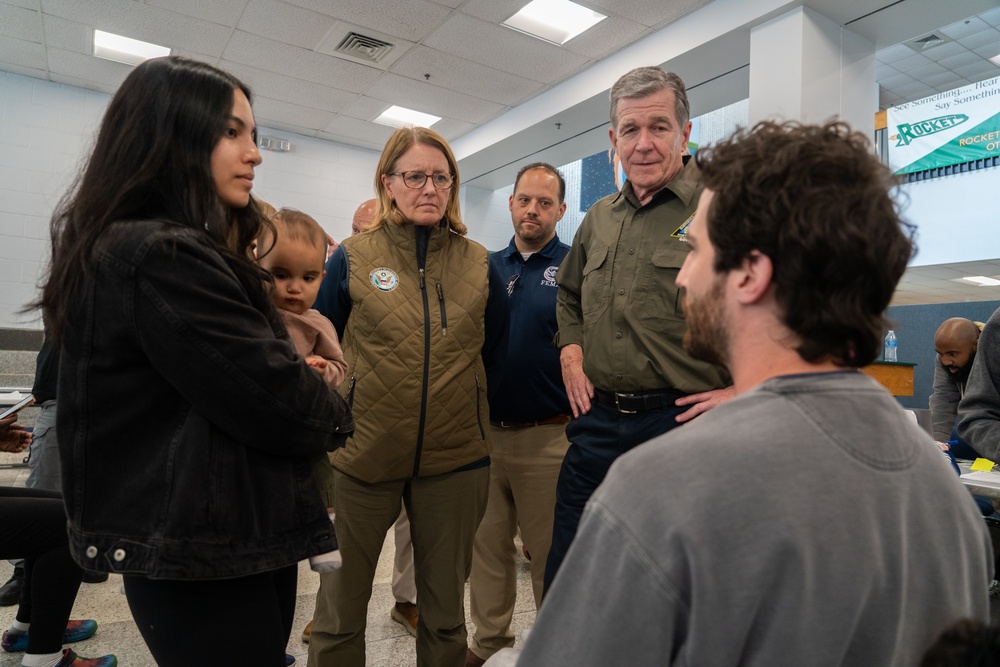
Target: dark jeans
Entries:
(244, 621)
(597, 439)
(34, 528)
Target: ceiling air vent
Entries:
(921, 44)
(361, 45)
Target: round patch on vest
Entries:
(384, 279)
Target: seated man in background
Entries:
(979, 411)
(955, 343)
(844, 539)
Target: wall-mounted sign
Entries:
(954, 127)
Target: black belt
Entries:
(558, 419)
(638, 401)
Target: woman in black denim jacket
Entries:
(185, 416)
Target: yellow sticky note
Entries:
(982, 464)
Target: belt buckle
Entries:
(618, 404)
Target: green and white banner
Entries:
(949, 128)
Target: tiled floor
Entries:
(388, 643)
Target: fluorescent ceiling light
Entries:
(982, 281)
(996, 59)
(125, 49)
(556, 21)
(396, 116)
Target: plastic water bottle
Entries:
(891, 346)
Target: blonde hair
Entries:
(401, 141)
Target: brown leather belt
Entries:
(558, 419)
(641, 401)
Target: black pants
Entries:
(244, 621)
(33, 527)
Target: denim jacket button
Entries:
(91, 552)
(119, 555)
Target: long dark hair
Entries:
(152, 161)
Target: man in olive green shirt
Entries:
(619, 309)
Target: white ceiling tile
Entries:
(410, 19)
(139, 21)
(911, 62)
(108, 75)
(893, 53)
(21, 53)
(609, 36)
(223, 12)
(24, 4)
(464, 76)
(297, 91)
(286, 23)
(69, 35)
(944, 81)
(921, 73)
(268, 112)
(343, 126)
(992, 17)
(649, 12)
(988, 51)
(22, 23)
(365, 108)
(494, 11)
(988, 37)
(450, 3)
(506, 49)
(452, 129)
(883, 70)
(964, 58)
(967, 27)
(915, 91)
(25, 71)
(426, 97)
(896, 80)
(978, 71)
(272, 56)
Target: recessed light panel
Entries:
(126, 50)
(396, 116)
(556, 21)
(982, 281)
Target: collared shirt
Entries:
(618, 297)
(532, 388)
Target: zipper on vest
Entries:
(350, 392)
(444, 318)
(479, 410)
(427, 362)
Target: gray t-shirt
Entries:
(809, 521)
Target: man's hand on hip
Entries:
(579, 388)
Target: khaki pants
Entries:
(444, 512)
(523, 479)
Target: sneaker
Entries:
(71, 659)
(306, 631)
(405, 613)
(289, 660)
(76, 631)
(995, 589)
(10, 593)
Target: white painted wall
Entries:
(958, 217)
